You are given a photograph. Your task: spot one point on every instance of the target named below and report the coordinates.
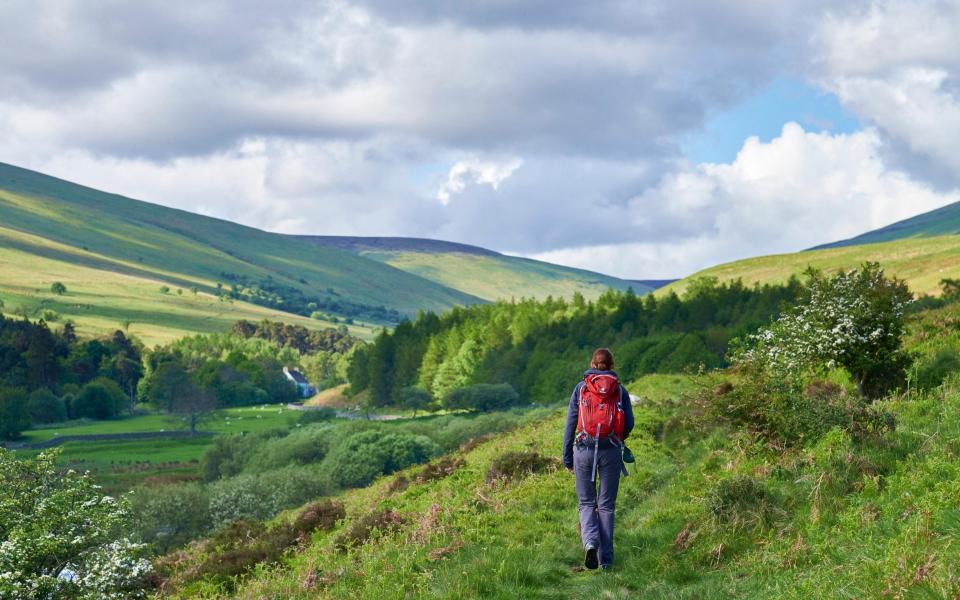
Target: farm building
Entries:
(303, 386)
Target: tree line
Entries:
(50, 376)
(539, 348)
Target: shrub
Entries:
(367, 526)
(100, 399)
(300, 447)
(853, 320)
(322, 515)
(517, 465)
(229, 454)
(261, 496)
(439, 469)
(361, 457)
(45, 407)
(931, 372)
(50, 316)
(14, 412)
(56, 524)
(484, 397)
(317, 415)
(739, 501)
(241, 546)
(772, 408)
(415, 398)
(168, 516)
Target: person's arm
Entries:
(627, 407)
(573, 413)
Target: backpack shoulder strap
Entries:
(580, 405)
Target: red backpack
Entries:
(600, 406)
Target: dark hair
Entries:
(602, 360)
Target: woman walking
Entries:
(598, 421)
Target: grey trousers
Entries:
(597, 509)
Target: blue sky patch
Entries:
(763, 115)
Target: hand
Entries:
(570, 469)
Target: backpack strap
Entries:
(583, 427)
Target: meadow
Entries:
(100, 302)
(496, 277)
(922, 262)
(120, 464)
(121, 251)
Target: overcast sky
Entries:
(642, 139)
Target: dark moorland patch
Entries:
(517, 465)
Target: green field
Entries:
(120, 464)
(101, 301)
(496, 277)
(942, 221)
(118, 252)
(248, 419)
(477, 271)
(921, 262)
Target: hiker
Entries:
(598, 421)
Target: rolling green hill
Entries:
(478, 271)
(921, 261)
(114, 254)
(942, 221)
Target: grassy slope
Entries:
(942, 221)
(52, 221)
(922, 262)
(892, 535)
(480, 272)
(100, 301)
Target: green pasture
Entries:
(249, 419)
(501, 277)
(100, 302)
(120, 464)
(921, 262)
(122, 250)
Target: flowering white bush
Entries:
(854, 320)
(60, 537)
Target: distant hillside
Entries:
(921, 261)
(115, 254)
(651, 283)
(394, 244)
(477, 271)
(942, 221)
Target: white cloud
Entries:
(799, 190)
(335, 117)
(474, 170)
(897, 65)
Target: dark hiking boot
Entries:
(590, 558)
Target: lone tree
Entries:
(415, 398)
(58, 288)
(853, 320)
(174, 392)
